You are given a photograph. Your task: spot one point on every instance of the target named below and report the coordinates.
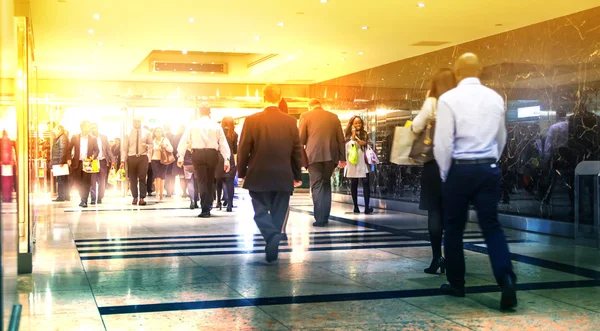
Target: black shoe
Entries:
(225, 203)
(321, 225)
(436, 263)
(356, 210)
(59, 199)
(142, 202)
(219, 206)
(453, 291)
(193, 205)
(229, 209)
(272, 248)
(369, 211)
(284, 236)
(204, 214)
(508, 299)
(99, 201)
(83, 204)
(93, 202)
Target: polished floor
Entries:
(159, 267)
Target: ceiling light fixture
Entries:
(170, 46)
(323, 1)
(421, 5)
(191, 20)
(100, 44)
(280, 24)
(257, 38)
(96, 16)
(299, 51)
(184, 51)
(343, 59)
(91, 31)
(360, 53)
(365, 27)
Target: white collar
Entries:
(470, 81)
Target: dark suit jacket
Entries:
(106, 150)
(269, 153)
(321, 133)
(75, 147)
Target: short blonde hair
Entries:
(272, 94)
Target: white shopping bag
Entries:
(401, 146)
(60, 170)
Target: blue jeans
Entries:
(479, 184)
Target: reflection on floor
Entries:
(159, 267)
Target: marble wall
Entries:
(549, 74)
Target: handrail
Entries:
(15, 318)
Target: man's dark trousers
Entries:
(205, 162)
(320, 187)
(479, 184)
(137, 170)
(270, 209)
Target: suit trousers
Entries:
(99, 181)
(83, 181)
(137, 171)
(205, 162)
(270, 209)
(479, 184)
(320, 187)
(63, 186)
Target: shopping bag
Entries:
(60, 170)
(91, 166)
(112, 176)
(353, 152)
(122, 176)
(371, 156)
(401, 146)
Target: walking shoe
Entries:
(272, 248)
(369, 211)
(142, 202)
(448, 289)
(83, 204)
(508, 300)
(134, 202)
(204, 214)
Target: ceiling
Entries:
(318, 41)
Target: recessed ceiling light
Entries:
(280, 24)
(343, 59)
(96, 16)
(193, 72)
(360, 53)
(326, 65)
(324, 1)
(191, 20)
(299, 51)
(212, 73)
(100, 44)
(184, 51)
(365, 27)
(257, 38)
(170, 46)
(194, 62)
(421, 5)
(383, 79)
(162, 49)
(91, 31)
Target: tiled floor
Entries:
(159, 267)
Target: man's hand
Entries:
(297, 183)
(342, 164)
(122, 165)
(180, 164)
(226, 168)
(69, 162)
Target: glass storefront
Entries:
(549, 75)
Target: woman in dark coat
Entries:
(226, 180)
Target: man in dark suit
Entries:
(321, 134)
(270, 161)
(106, 158)
(83, 146)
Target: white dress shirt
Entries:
(83, 147)
(470, 125)
(204, 134)
(100, 155)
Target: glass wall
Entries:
(549, 75)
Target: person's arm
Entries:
(303, 130)
(168, 146)
(245, 148)
(111, 156)
(341, 142)
(420, 122)
(501, 135)
(297, 156)
(443, 142)
(64, 149)
(124, 149)
(183, 145)
(223, 146)
(234, 145)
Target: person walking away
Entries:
(442, 81)
(226, 183)
(207, 140)
(357, 168)
(270, 162)
(169, 181)
(283, 107)
(469, 139)
(321, 134)
(60, 155)
(106, 160)
(134, 153)
(192, 182)
(83, 146)
(159, 144)
(178, 171)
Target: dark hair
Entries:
(442, 81)
(283, 106)
(228, 126)
(154, 132)
(362, 135)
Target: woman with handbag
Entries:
(431, 183)
(162, 154)
(356, 167)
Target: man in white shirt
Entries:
(82, 147)
(207, 139)
(469, 138)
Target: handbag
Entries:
(402, 145)
(370, 156)
(166, 157)
(353, 153)
(422, 148)
(112, 176)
